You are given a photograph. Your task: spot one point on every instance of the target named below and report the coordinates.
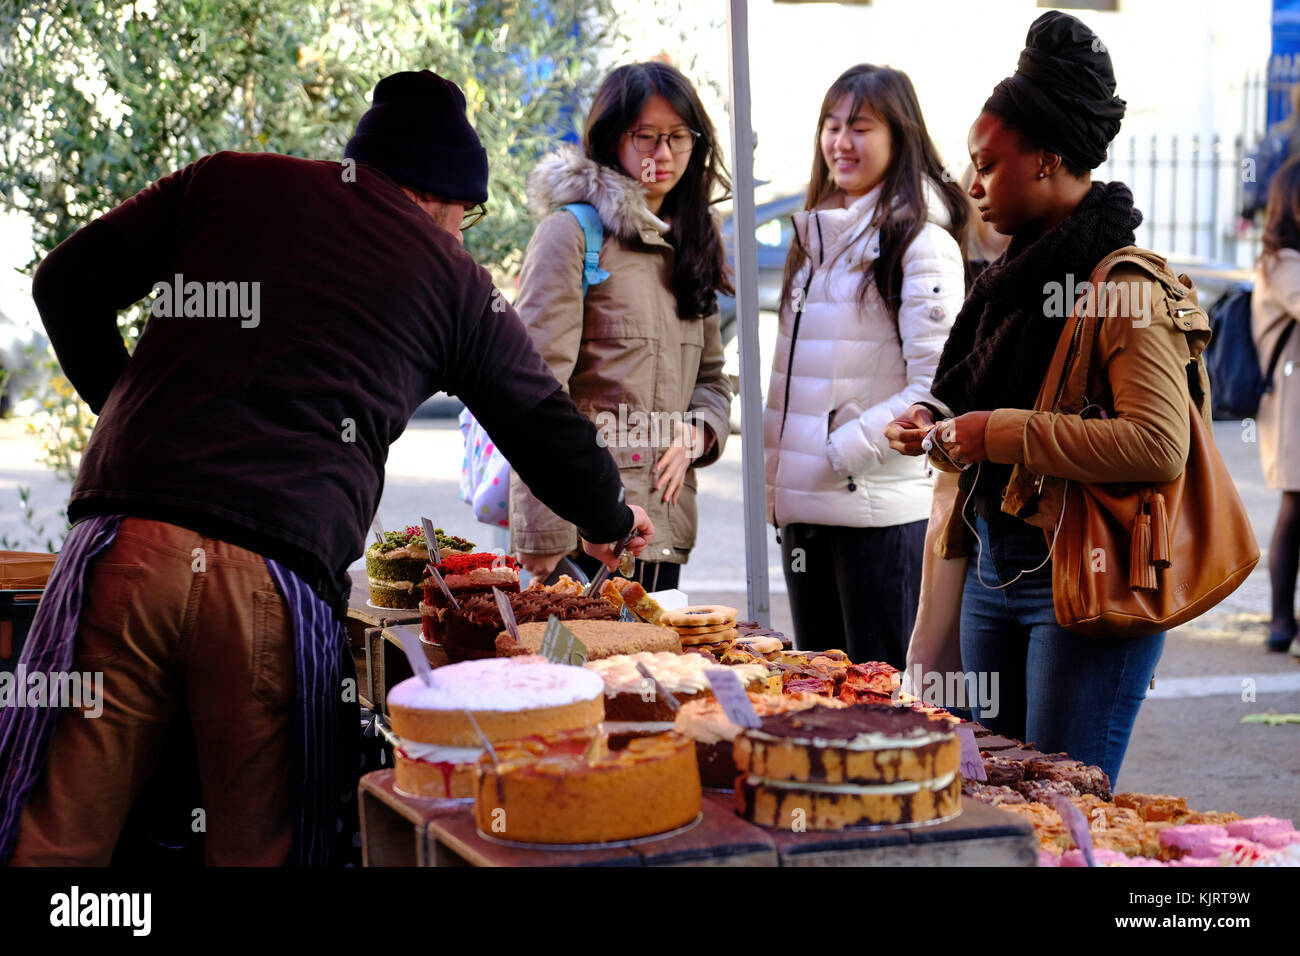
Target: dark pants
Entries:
(1060, 690)
(855, 589)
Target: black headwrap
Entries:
(1063, 91)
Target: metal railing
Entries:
(1189, 187)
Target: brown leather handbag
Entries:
(1134, 559)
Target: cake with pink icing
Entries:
(1188, 837)
(509, 697)
(1230, 851)
(1257, 828)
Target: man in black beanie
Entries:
(301, 312)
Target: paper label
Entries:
(972, 765)
(731, 695)
(431, 538)
(507, 613)
(561, 646)
(437, 579)
(1077, 824)
(415, 654)
(660, 692)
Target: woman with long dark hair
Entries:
(872, 283)
(641, 351)
(1275, 308)
(1033, 145)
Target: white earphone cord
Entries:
(979, 545)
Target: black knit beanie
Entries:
(417, 133)
(1063, 91)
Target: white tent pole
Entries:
(746, 261)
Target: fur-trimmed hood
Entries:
(569, 176)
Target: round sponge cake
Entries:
(509, 698)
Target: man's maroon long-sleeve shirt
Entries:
(349, 307)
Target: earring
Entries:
(1042, 175)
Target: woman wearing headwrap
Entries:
(1033, 145)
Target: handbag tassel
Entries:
(1141, 573)
(1159, 531)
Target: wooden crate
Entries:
(980, 836)
(395, 828)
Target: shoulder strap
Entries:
(594, 232)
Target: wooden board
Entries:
(720, 839)
(980, 836)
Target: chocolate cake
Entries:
(470, 631)
(993, 795)
(468, 574)
(867, 764)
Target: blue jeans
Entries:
(1058, 690)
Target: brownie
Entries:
(1021, 754)
(1059, 767)
(1003, 771)
(996, 742)
(1040, 791)
(994, 796)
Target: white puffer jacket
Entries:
(854, 364)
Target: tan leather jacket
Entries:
(1138, 374)
(627, 360)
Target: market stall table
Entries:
(410, 831)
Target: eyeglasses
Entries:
(646, 139)
(472, 215)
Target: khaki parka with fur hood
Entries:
(624, 356)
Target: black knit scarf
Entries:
(1003, 338)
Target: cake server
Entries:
(594, 586)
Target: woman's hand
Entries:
(962, 438)
(688, 444)
(645, 532)
(906, 432)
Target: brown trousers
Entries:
(164, 623)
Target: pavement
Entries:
(1189, 738)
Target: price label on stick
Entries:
(1077, 824)
(507, 613)
(660, 692)
(731, 695)
(972, 765)
(415, 654)
(438, 580)
(431, 537)
(561, 646)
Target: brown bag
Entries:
(1133, 559)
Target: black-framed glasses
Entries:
(646, 139)
(472, 215)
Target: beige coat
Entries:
(627, 360)
(1137, 373)
(1275, 304)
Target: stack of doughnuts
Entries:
(703, 627)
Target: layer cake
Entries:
(867, 764)
(509, 698)
(706, 723)
(573, 788)
(631, 696)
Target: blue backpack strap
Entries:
(594, 231)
